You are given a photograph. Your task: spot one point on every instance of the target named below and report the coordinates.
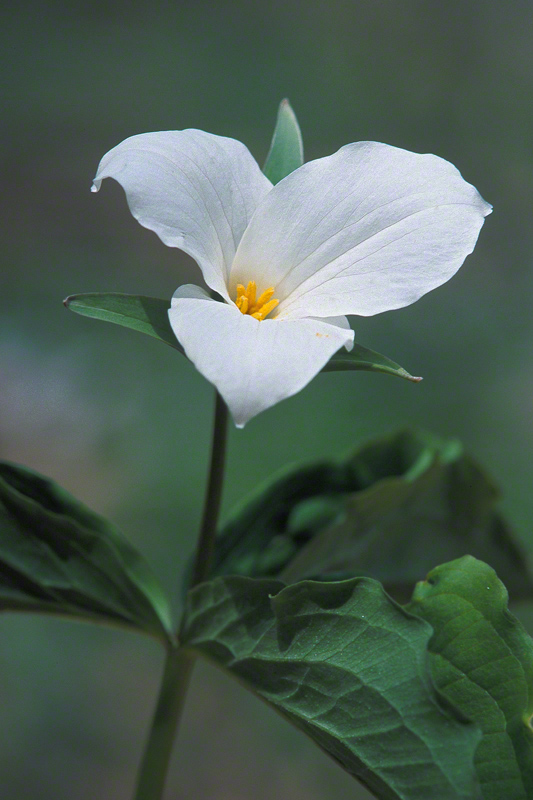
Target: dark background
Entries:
(124, 422)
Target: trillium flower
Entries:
(368, 229)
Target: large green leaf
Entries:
(482, 660)
(286, 151)
(393, 510)
(348, 666)
(58, 557)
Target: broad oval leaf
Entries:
(286, 150)
(482, 661)
(348, 666)
(58, 557)
(395, 508)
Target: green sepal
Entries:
(59, 557)
(286, 150)
(147, 315)
(361, 358)
(482, 661)
(393, 509)
(347, 666)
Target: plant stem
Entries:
(156, 758)
(213, 496)
(179, 663)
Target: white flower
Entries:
(368, 229)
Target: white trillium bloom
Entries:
(368, 229)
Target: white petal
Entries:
(253, 364)
(340, 322)
(197, 191)
(368, 229)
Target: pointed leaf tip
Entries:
(362, 358)
(286, 150)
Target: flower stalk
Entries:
(213, 496)
(167, 715)
(179, 662)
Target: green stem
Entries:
(156, 758)
(213, 496)
(179, 663)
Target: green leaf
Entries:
(58, 557)
(392, 510)
(286, 151)
(348, 666)
(144, 314)
(361, 358)
(257, 540)
(482, 661)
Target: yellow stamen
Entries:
(247, 304)
(242, 304)
(265, 310)
(251, 289)
(263, 298)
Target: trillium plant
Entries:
(322, 593)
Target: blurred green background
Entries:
(124, 422)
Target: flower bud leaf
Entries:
(348, 666)
(286, 150)
(58, 557)
(481, 659)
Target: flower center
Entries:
(247, 304)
